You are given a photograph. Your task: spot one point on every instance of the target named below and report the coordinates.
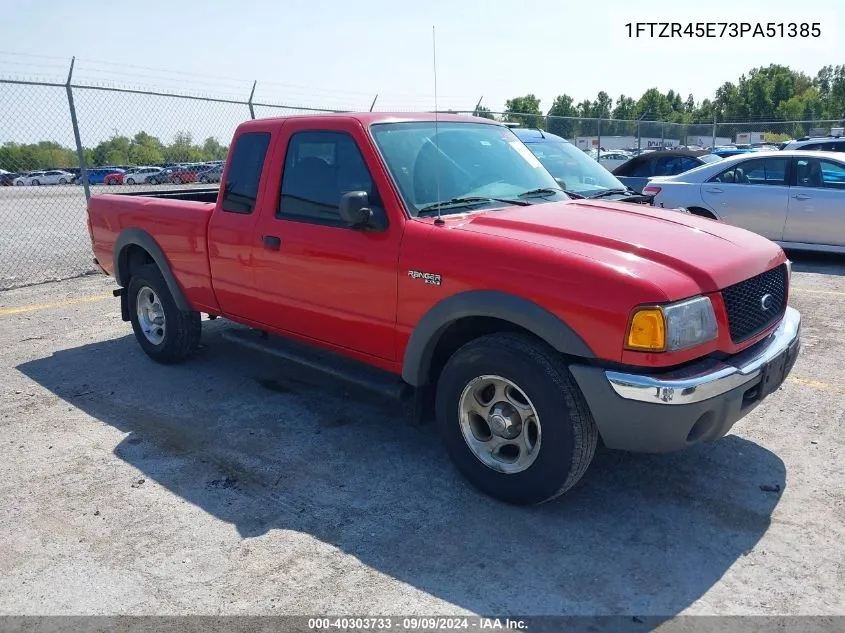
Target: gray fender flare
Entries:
(484, 303)
(139, 237)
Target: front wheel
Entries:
(35, 183)
(165, 333)
(62, 181)
(513, 419)
(130, 181)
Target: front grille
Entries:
(744, 303)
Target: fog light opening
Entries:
(702, 428)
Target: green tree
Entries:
(625, 108)
(655, 104)
(524, 110)
(585, 108)
(114, 151)
(600, 108)
(563, 106)
(213, 150)
(183, 150)
(483, 112)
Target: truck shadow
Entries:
(822, 263)
(263, 447)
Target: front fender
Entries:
(485, 303)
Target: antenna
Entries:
(439, 219)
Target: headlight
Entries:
(673, 326)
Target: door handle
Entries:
(271, 242)
(714, 190)
(801, 196)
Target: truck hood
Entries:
(678, 253)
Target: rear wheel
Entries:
(177, 180)
(35, 183)
(130, 181)
(165, 333)
(704, 213)
(513, 419)
(203, 180)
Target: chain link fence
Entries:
(62, 142)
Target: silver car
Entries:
(795, 198)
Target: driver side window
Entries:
(320, 167)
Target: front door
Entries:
(752, 194)
(817, 203)
(317, 277)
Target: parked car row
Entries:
(794, 197)
(177, 174)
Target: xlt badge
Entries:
(429, 278)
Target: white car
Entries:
(610, 159)
(795, 198)
(138, 175)
(49, 177)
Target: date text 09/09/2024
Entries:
(724, 29)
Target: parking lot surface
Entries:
(235, 484)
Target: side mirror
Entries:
(355, 209)
(561, 183)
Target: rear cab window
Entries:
(247, 161)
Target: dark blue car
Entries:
(97, 175)
(573, 169)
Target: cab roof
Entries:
(368, 118)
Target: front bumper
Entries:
(698, 403)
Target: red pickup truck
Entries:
(440, 258)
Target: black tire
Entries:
(177, 180)
(569, 434)
(35, 183)
(62, 181)
(203, 180)
(702, 213)
(130, 181)
(183, 327)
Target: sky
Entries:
(341, 54)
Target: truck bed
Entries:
(192, 195)
(178, 221)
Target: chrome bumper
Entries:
(709, 378)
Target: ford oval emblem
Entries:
(766, 302)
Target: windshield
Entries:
(454, 160)
(579, 173)
(710, 158)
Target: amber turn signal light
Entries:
(648, 330)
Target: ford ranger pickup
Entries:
(437, 254)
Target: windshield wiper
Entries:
(467, 201)
(611, 192)
(549, 191)
(540, 191)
